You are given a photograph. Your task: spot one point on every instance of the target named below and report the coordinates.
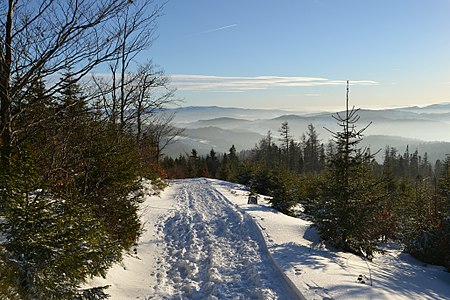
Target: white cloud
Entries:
(187, 82)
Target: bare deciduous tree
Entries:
(43, 38)
(136, 103)
(162, 133)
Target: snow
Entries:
(134, 277)
(214, 250)
(203, 241)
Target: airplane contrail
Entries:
(213, 30)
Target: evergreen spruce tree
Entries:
(345, 213)
(193, 164)
(229, 165)
(397, 193)
(212, 163)
(232, 164)
(70, 213)
(72, 101)
(52, 244)
(285, 193)
(295, 156)
(267, 153)
(428, 234)
(311, 151)
(285, 139)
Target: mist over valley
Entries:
(426, 129)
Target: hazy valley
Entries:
(426, 129)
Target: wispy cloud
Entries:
(239, 84)
(212, 30)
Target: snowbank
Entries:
(320, 273)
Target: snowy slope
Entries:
(320, 273)
(203, 241)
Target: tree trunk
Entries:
(5, 97)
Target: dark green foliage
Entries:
(69, 205)
(346, 212)
(426, 233)
(230, 164)
(193, 164)
(407, 165)
(97, 293)
(445, 243)
(432, 245)
(259, 179)
(286, 188)
(313, 152)
(52, 243)
(212, 163)
(386, 218)
(92, 161)
(442, 205)
(286, 193)
(267, 154)
(286, 145)
(107, 179)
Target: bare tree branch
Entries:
(42, 39)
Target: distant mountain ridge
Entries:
(194, 113)
(220, 127)
(438, 107)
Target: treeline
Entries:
(74, 146)
(355, 202)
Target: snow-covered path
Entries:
(202, 240)
(213, 250)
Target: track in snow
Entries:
(212, 250)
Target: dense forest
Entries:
(355, 202)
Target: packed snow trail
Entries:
(213, 250)
(201, 240)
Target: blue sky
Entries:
(298, 54)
